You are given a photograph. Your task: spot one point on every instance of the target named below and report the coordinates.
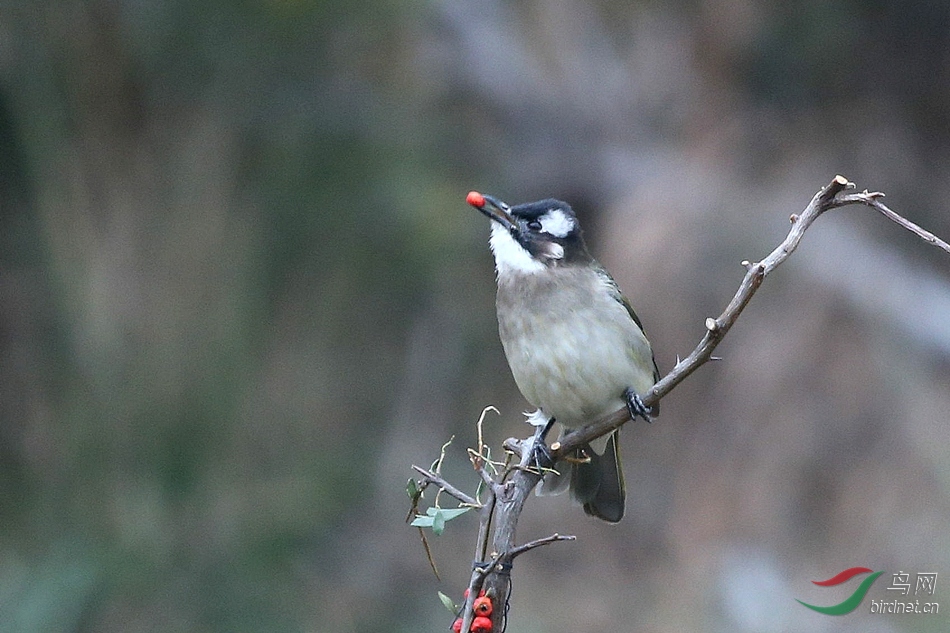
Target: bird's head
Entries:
(532, 237)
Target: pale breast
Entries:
(572, 348)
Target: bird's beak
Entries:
(494, 209)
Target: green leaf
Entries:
(438, 522)
(412, 488)
(421, 521)
(448, 603)
(436, 517)
(451, 513)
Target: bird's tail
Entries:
(597, 483)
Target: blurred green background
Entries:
(240, 293)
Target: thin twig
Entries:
(872, 199)
(530, 545)
(478, 463)
(485, 515)
(480, 424)
(429, 557)
(447, 487)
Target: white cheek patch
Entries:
(557, 223)
(510, 256)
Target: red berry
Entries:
(457, 625)
(482, 606)
(475, 199)
(481, 624)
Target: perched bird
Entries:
(575, 346)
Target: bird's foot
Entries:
(636, 407)
(541, 455)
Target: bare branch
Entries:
(429, 557)
(446, 486)
(530, 545)
(873, 200)
(826, 199)
(478, 463)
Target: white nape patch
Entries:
(536, 418)
(510, 256)
(557, 223)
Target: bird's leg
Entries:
(540, 446)
(635, 406)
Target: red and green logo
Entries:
(854, 600)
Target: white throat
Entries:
(510, 256)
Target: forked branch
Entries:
(830, 197)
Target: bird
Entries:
(575, 347)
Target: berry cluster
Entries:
(482, 609)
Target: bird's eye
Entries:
(534, 225)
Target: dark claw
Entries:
(636, 407)
(542, 456)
